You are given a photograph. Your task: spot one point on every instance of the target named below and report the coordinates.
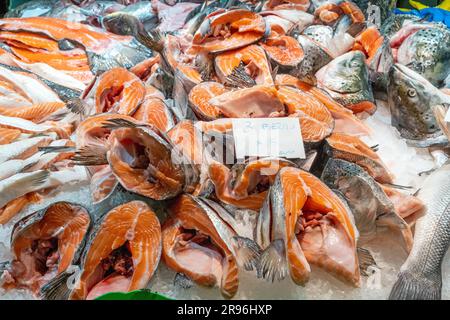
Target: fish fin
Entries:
(239, 77)
(398, 186)
(183, 281)
(410, 286)
(118, 123)
(50, 149)
(90, 156)
(152, 39)
(356, 28)
(309, 79)
(56, 289)
(35, 179)
(272, 263)
(275, 72)
(247, 252)
(366, 260)
(77, 106)
(394, 221)
(28, 166)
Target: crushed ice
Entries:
(405, 163)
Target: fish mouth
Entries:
(45, 246)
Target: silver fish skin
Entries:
(427, 52)
(420, 276)
(410, 99)
(315, 57)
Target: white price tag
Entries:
(268, 137)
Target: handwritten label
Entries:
(268, 137)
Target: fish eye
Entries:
(411, 93)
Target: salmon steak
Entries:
(245, 185)
(316, 121)
(199, 98)
(200, 242)
(298, 225)
(229, 30)
(119, 91)
(244, 67)
(142, 160)
(122, 254)
(259, 101)
(45, 243)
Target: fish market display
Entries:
(119, 162)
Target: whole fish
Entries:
(420, 276)
(410, 99)
(346, 79)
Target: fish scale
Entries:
(420, 276)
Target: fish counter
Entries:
(224, 150)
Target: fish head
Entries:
(427, 52)
(410, 97)
(346, 79)
(121, 23)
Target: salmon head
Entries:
(200, 241)
(370, 205)
(346, 79)
(45, 243)
(122, 254)
(353, 149)
(299, 225)
(410, 98)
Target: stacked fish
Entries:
(139, 100)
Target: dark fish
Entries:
(410, 98)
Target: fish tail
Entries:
(366, 260)
(272, 263)
(247, 252)
(411, 286)
(56, 289)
